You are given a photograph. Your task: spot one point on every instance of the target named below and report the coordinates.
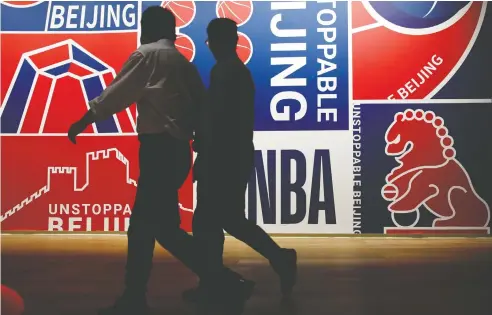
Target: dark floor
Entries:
(65, 275)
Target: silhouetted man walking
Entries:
(225, 163)
(168, 91)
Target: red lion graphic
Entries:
(429, 173)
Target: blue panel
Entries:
(17, 100)
(87, 60)
(259, 30)
(462, 181)
(33, 17)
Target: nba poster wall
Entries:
(367, 113)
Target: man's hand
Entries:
(76, 129)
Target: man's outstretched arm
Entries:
(123, 91)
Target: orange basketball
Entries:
(185, 46)
(238, 11)
(244, 48)
(184, 11)
(22, 3)
(12, 302)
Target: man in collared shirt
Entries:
(225, 163)
(169, 93)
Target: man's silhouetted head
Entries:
(222, 37)
(157, 23)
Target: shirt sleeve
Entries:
(124, 90)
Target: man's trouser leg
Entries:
(233, 217)
(221, 206)
(164, 165)
(207, 230)
(234, 222)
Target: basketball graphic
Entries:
(423, 18)
(184, 11)
(244, 47)
(385, 67)
(238, 11)
(21, 4)
(389, 192)
(185, 46)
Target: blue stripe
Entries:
(93, 88)
(60, 69)
(17, 100)
(87, 60)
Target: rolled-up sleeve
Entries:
(124, 90)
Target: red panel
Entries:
(384, 60)
(65, 177)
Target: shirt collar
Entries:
(166, 43)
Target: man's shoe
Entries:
(285, 265)
(194, 295)
(236, 296)
(127, 306)
(191, 295)
(224, 297)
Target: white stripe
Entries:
(365, 27)
(55, 65)
(47, 106)
(46, 48)
(288, 47)
(46, 25)
(93, 71)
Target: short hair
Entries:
(158, 22)
(223, 30)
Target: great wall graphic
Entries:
(90, 156)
